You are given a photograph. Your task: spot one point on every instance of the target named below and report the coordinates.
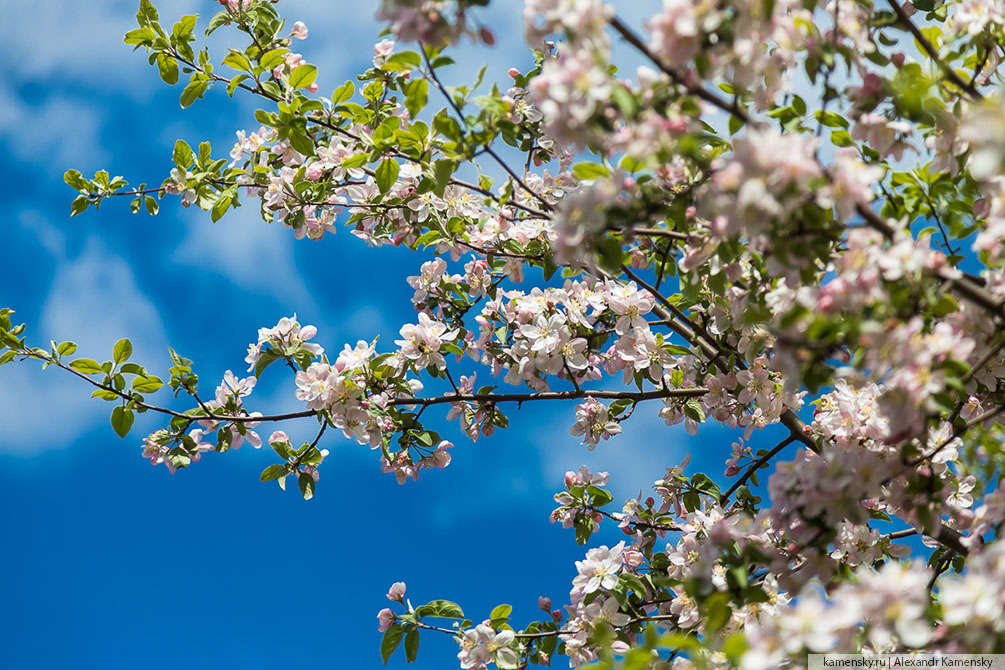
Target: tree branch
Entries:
(930, 49)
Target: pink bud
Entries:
(633, 558)
(487, 36)
(513, 72)
(557, 615)
(385, 618)
(544, 603)
(397, 592)
(898, 59)
(982, 208)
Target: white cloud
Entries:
(60, 132)
(48, 236)
(635, 458)
(94, 299)
(256, 256)
(82, 40)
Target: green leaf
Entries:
(799, 105)
(220, 207)
(630, 164)
(416, 97)
(66, 348)
(831, 119)
(701, 482)
(272, 472)
(359, 160)
(283, 449)
(611, 254)
(74, 180)
(122, 420)
(441, 608)
(599, 496)
(303, 76)
(183, 155)
(237, 60)
(343, 93)
(78, 205)
(392, 638)
(412, 645)
(168, 68)
(193, 92)
(266, 359)
(693, 410)
(590, 171)
(221, 19)
(235, 82)
(301, 142)
(147, 13)
(501, 612)
(273, 58)
(86, 365)
(183, 29)
(306, 485)
(140, 36)
(147, 384)
(443, 170)
(7, 357)
(407, 58)
(625, 101)
(122, 351)
(387, 174)
(717, 611)
(735, 646)
(634, 583)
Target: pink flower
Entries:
(397, 592)
(423, 342)
(386, 617)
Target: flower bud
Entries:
(397, 592)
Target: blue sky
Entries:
(110, 563)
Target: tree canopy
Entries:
(792, 214)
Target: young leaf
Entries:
(306, 485)
(387, 174)
(122, 351)
(392, 638)
(411, 645)
(88, 366)
(272, 472)
(122, 420)
(303, 76)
